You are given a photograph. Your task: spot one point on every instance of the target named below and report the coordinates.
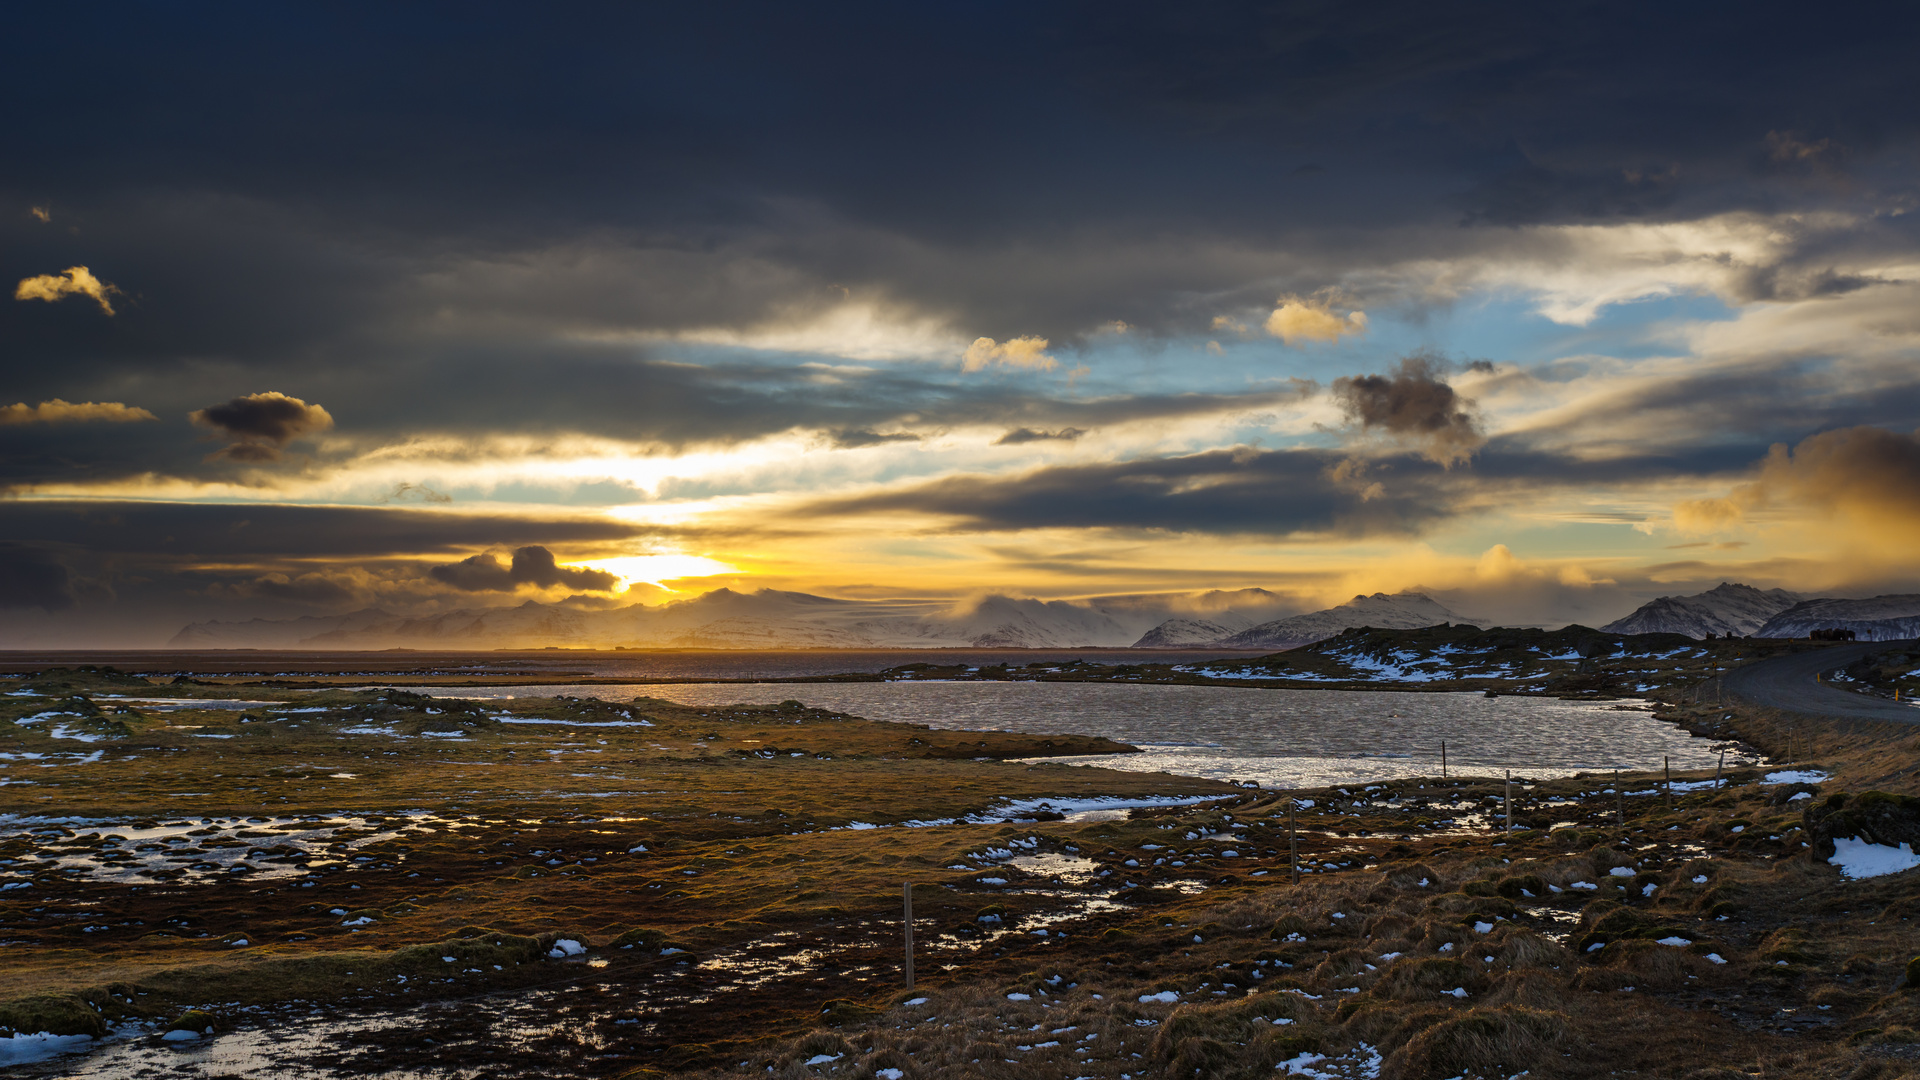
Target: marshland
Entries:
(273, 873)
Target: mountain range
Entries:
(1877, 618)
(1243, 619)
(1775, 613)
(764, 619)
(1725, 609)
(1397, 611)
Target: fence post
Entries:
(1443, 759)
(906, 905)
(1293, 842)
(1620, 798)
(1509, 800)
(1717, 766)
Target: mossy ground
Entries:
(740, 926)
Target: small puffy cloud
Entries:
(1020, 352)
(1790, 148)
(260, 424)
(1710, 515)
(311, 588)
(1415, 406)
(407, 492)
(856, 438)
(40, 213)
(30, 577)
(532, 565)
(75, 281)
(1351, 475)
(1299, 319)
(1019, 436)
(68, 412)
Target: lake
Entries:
(1279, 738)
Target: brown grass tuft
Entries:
(1485, 1042)
(1522, 948)
(1427, 978)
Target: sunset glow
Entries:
(1225, 343)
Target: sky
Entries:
(1546, 309)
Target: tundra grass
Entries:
(644, 889)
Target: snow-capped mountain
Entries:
(765, 619)
(1398, 611)
(1727, 608)
(1878, 618)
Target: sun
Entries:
(656, 569)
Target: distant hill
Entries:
(1727, 608)
(1878, 618)
(274, 633)
(1398, 611)
(1185, 633)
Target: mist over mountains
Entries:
(765, 619)
(1242, 619)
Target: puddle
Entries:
(185, 851)
(1076, 870)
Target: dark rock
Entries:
(1874, 816)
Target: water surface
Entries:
(1279, 738)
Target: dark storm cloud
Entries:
(714, 164)
(166, 533)
(532, 565)
(30, 577)
(1275, 493)
(1416, 405)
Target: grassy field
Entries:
(546, 887)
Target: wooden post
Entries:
(906, 904)
(1509, 800)
(1721, 764)
(1620, 798)
(1443, 759)
(1666, 763)
(1293, 842)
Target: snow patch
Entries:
(39, 1046)
(1858, 859)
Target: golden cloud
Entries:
(67, 412)
(1020, 352)
(75, 281)
(40, 213)
(1858, 486)
(1298, 319)
(1710, 515)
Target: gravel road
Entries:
(1787, 682)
